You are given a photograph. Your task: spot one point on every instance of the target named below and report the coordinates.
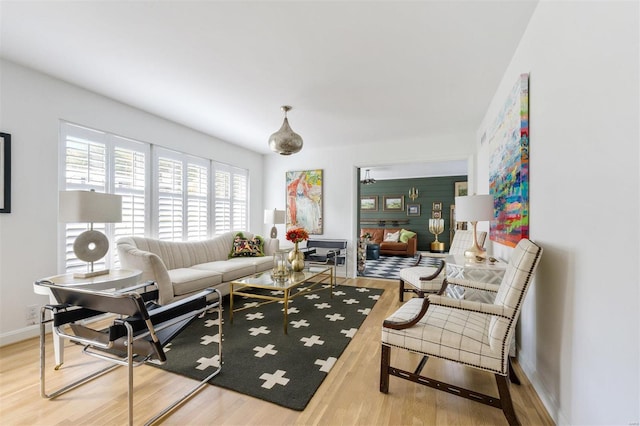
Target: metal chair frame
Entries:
(139, 332)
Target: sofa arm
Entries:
(412, 246)
(271, 246)
(152, 267)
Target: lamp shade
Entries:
(273, 217)
(474, 208)
(89, 207)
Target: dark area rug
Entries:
(387, 267)
(259, 359)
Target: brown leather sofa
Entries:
(391, 248)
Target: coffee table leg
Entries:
(333, 283)
(286, 309)
(231, 303)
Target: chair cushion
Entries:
(412, 276)
(405, 235)
(233, 268)
(190, 280)
(443, 332)
(245, 247)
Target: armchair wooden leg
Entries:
(505, 400)
(385, 360)
(512, 374)
(401, 291)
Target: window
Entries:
(231, 198)
(183, 202)
(191, 198)
(105, 163)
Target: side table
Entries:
(373, 251)
(115, 279)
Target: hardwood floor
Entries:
(348, 396)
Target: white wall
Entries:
(31, 107)
(579, 340)
(340, 177)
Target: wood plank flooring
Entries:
(348, 396)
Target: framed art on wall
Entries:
(5, 173)
(413, 209)
(508, 141)
(304, 200)
(437, 205)
(436, 214)
(460, 189)
(393, 203)
(369, 203)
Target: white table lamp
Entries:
(90, 207)
(474, 208)
(274, 217)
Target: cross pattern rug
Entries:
(388, 266)
(259, 359)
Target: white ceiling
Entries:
(355, 72)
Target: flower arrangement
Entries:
(297, 235)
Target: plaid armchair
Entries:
(474, 334)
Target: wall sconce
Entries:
(413, 194)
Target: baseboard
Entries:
(19, 335)
(548, 399)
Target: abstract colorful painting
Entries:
(304, 200)
(508, 141)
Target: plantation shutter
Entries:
(170, 200)
(95, 160)
(85, 154)
(130, 168)
(197, 202)
(183, 198)
(231, 198)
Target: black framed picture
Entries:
(5, 173)
(413, 209)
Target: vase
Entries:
(280, 271)
(296, 258)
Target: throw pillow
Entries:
(244, 247)
(392, 237)
(405, 235)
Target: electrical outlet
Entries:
(31, 314)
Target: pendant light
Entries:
(285, 141)
(367, 179)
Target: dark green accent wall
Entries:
(434, 189)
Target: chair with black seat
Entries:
(136, 334)
(473, 334)
(326, 252)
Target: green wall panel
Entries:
(431, 190)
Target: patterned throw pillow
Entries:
(405, 235)
(244, 247)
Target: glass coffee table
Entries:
(281, 289)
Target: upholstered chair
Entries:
(473, 334)
(427, 276)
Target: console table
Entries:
(115, 279)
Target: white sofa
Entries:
(184, 268)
